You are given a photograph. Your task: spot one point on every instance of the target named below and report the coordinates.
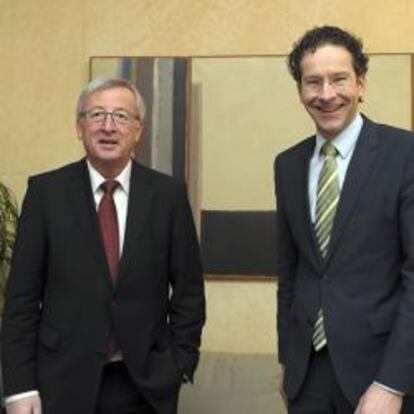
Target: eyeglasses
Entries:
(337, 83)
(119, 116)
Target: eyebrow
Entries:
(333, 74)
(115, 109)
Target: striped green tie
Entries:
(327, 199)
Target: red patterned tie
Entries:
(108, 221)
(109, 226)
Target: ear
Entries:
(79, 130)
(140, 129)
(361, 84)
(299, 86)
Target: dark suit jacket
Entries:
(61, 302)
(366, 284)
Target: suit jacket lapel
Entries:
(84, 206)
(358, 170)
(139, 202)
(306, 225)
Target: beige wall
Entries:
(45, 48)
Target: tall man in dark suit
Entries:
(105, 304)
(345, 217)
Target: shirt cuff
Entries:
(20, 396)
(384, 387)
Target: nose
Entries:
(327, 91)
(109, 124)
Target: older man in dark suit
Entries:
(105, 303)
(345, 215)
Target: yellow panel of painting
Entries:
(388, 95)
(249, 112)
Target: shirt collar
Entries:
(345, 142)
(97, 179)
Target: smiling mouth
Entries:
(328, 110)
(110, 142)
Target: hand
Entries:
(27, 405)
(281, 389)
(378, 400)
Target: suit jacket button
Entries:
(326, 279)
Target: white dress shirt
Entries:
(120, 196)
(345, 144)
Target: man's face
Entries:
(109, 143)
(330, 89)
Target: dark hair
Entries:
(326, 35)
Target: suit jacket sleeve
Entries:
(187, 304)
(286, 261)
(23, 298)
(397, 369)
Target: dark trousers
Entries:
(320, 393)
(118, 393)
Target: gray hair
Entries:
(103, 84)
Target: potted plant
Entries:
(8, 225)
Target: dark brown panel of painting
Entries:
(238, 243)
(179, 119)
(412, 92)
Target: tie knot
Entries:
(109, 186)
(329, 150)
